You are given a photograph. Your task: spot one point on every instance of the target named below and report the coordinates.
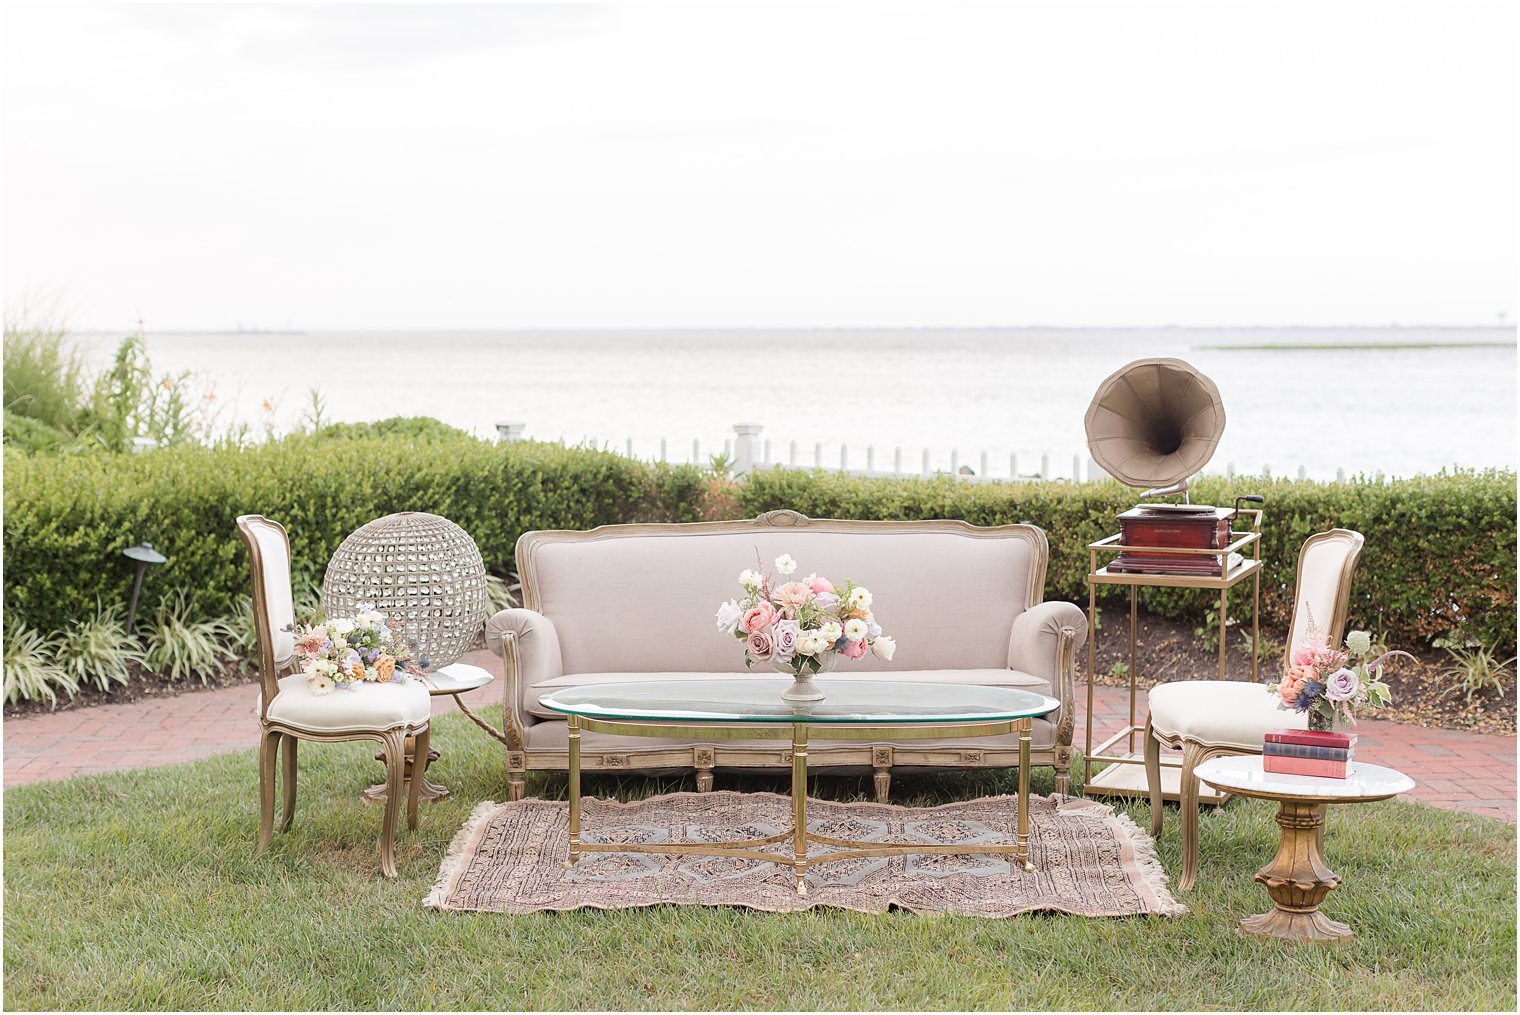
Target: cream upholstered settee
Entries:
(637, 602)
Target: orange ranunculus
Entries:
(385, 668)
(1293, 682)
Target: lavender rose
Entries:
(787, 633)
(1342, 685)
(761, 645)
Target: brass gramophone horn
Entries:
(1154, 423)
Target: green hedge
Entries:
(1440, 552)
(67, 518)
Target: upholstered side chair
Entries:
(1213, 718)
(290, 713)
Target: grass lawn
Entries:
(141, 890)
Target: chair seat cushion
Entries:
(1222, 713)
(982, 678)
(352, 709)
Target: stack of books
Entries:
(1308, 752)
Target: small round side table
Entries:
(454, 679)
(1298, 879)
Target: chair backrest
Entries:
(1323, 590)
(273, 607)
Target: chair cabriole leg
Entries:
(1153, 776)
(288, 744)
(419, 772)
(268, 752)
(395, 785)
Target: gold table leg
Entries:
(429, 792)
(1298, 879)
(1023, 830)
(574, 733)
(799, 805)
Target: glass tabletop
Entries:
(758, 700)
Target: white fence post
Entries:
(818, 455)
(985, 470)
(1013, 466)
(1076, 468)
(1340, 475)
(767, 451)
(792, 455)
(870, 458)
(897, 461)
(628, 447)
(510, 431)
(844, 457)
(663, 456)
(1045, 465)
(696, 451)
(955, 462)
(926, 463)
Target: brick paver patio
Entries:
(1464, 771)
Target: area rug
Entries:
(1090, 861)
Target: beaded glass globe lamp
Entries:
(423, 572)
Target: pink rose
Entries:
(1304, 655)
(759, 618)
(853, 649)
(761, 645)
(818, 584)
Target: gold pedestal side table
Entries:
(1125, 774)
(455, 680)
(1298, 879)
(749, 708)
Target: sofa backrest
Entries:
(642, 598)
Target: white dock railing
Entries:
(747, 451)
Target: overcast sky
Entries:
(761, 165)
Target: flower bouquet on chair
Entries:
(346, 651)
(1328, 684)
(801, 627)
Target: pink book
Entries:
(1303, 766)
(1314, 738)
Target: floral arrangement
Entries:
(346, 651)
(1331, 683)
(799, 625)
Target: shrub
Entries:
(180, 644)
(30, 671)
(1440, 551)
(68, 518)
(96, 650)
(395, 426)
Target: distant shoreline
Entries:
(1368, 346)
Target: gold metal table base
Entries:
(801, 858)
(1298, 879)
(431, 791)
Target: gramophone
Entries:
(1152, 424)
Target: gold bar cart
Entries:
(1125, 771)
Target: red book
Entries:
(1312, 738)
(1303, 766)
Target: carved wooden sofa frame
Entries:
(512, 634)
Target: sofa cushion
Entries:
(642, 598)
(982, 678)
(1224, 713)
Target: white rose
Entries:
(859, 597)
(750, 580)
(729, 615)
(320, 685)
(342, 626)
(883, 647)
(830, 632)
(855, 629)
(785, 564)
(810, 644)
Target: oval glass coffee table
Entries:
(751, 708)
(1298, 879)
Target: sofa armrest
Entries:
(529, 649)
(1045, 642)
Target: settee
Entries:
(637, 602)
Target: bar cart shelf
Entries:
(1125, 771)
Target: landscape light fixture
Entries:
(143, 554)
